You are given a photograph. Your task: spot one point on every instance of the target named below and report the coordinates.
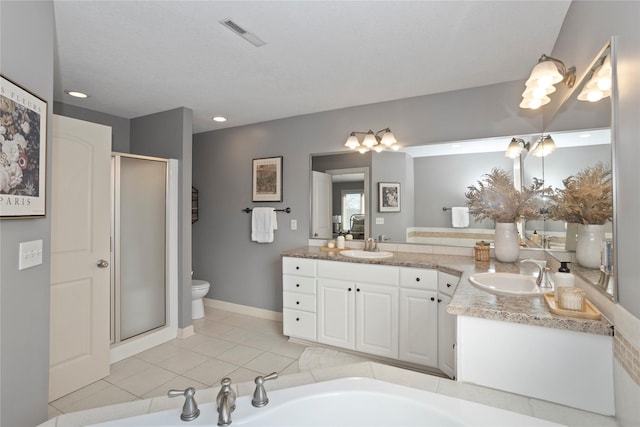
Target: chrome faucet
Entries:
(371, 246)
(226, 402)
(260, 398)
(542, 280)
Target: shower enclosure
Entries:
(138, 245)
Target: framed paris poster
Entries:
(23, 148)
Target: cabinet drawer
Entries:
(306, 285)
(299, 266)
(419, 278)
(447, 283)
(357, 272)
(299, 324)
(298, 301)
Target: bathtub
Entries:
(346, 402)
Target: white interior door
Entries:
(321, 205)
(80, 233)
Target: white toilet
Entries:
(199, 289)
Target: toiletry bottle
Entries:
(340, 242)
(563, 278)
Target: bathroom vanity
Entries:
(395, 310)
(420, 309)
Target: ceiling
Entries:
(141, 57)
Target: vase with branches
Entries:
(586, 200)
(495, 197)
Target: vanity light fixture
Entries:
(545, 146)
(515, 147)
(599, 85)
(547, 73)
(76, 94)
(373, 141)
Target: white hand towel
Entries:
(460, 217)
(263, 223)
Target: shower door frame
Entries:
(136, 344)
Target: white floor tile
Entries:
(159, 353)
(146, 380)
(212, 347)
(183, 361)
(110, 395)
(211, 371)
(268, 362)
(239, 354)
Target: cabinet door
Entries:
(377, 319)
(419, 326)
(336, 304)
(446, 338)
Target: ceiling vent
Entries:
(248, 36)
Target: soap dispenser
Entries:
(563, 278)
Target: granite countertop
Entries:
(469, 300)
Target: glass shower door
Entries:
(140, 231)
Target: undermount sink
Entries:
(508, 284)
(358, 253)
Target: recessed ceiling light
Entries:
(219, 119)
(76, 94)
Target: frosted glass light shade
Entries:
(544, 74)
(388, 139)
(352, 142)
(369, 140)
(514, 149)
(534, 103)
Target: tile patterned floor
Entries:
(225, 344)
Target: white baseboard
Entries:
(186, 332)
(243, 309)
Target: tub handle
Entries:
(260, 398)
(190, 409)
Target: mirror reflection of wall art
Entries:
(23, 148)
(388, 197)
(267, 179)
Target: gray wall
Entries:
(169, 135)
(120, 127)
(438, 178)
(26, 56)
(248, 273)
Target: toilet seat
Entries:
(199, 284)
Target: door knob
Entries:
(103, 263)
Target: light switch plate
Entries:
(379, 221)
(30, 254)
(294, 224)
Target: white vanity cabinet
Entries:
(447, 284)
(358, 307)
(299, 298)
(383, 310)
(418, 341)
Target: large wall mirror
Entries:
(433, 178)
(587, 108)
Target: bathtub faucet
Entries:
(226, 402)
(260, 398)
